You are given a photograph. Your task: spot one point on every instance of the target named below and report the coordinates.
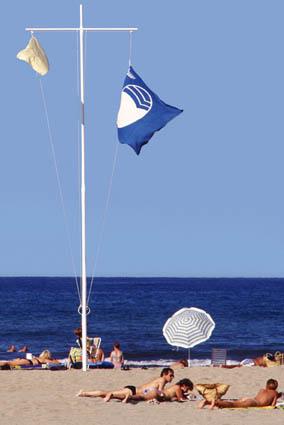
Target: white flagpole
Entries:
(81, 30)
(83, 199)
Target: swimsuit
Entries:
(161, 393)
(131, 388)
(37, 361)
(117, 360)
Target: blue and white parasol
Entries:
(188, 327)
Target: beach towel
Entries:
(247, 363)
(46, 366)
(99, 365)
(253, 407)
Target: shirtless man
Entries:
(100, 356)
(264, 397)
(157, 385)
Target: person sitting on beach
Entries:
(75, 356)
(175, 392)
(78, 333)
(100, 356)
(157, 385)
(12, 349)
(264, 397)
(116, 356)
(24, 349)
(43, 358)
(180, 363)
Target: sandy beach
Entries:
(48, 397)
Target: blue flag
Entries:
(141, 112)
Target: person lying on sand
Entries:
(166, 376)
(264, 397)
(259, 361)
(44, 357)
(181, 363)
(175, 392)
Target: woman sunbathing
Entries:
(173, 393)
(43, 358)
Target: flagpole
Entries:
(83, 198)
(84, 306)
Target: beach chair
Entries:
(93, 344)
(218, 356)
(75, 354)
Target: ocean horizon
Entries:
(41, 312)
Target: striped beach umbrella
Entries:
(188, 327)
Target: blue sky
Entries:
(204, 198)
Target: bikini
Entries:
(161, 393)
(117, 360)
(37, 361)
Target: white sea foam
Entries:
(169, 362)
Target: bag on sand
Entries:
(279, 358)
(268, 359)
(212, 391)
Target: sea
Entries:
(42, 313)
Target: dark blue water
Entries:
(42, 313)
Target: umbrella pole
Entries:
(189, 357)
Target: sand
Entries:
(43, 397)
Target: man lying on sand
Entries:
(264, 397)
(157, 384)
(173, 393)
(44, 357)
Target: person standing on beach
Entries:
(157, 384)
(264, 397)
(116, 356)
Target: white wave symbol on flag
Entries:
(135, 103)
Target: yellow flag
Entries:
(35, 56)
